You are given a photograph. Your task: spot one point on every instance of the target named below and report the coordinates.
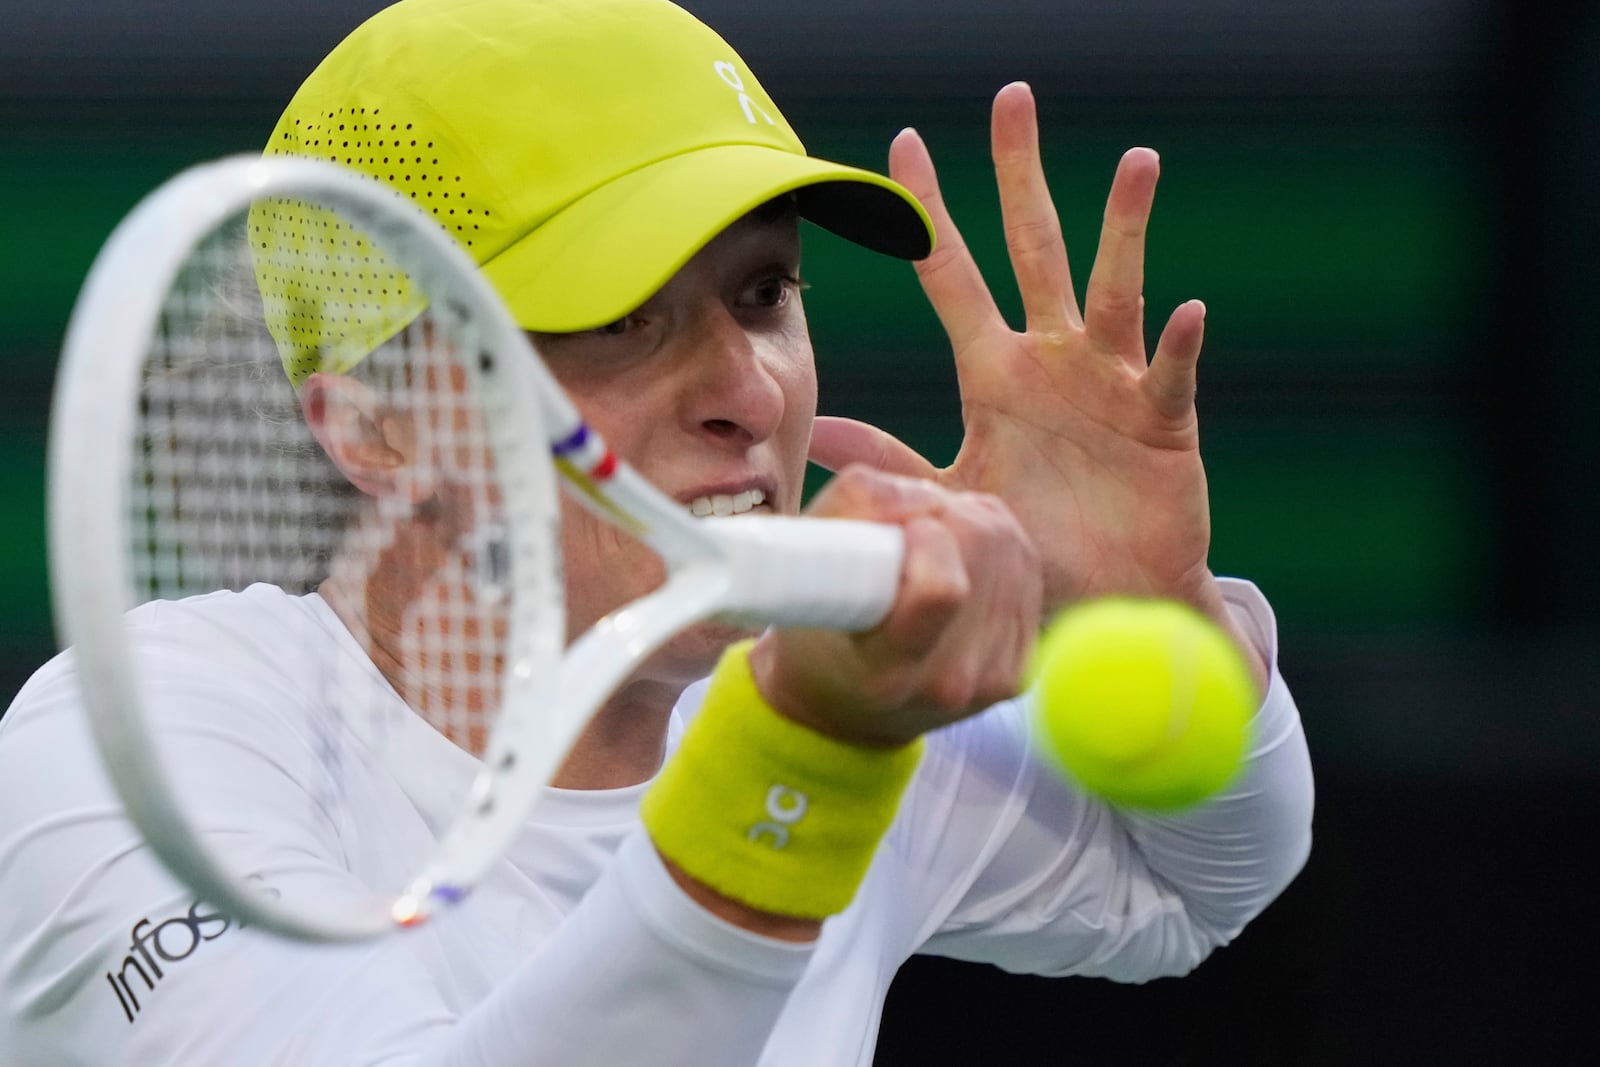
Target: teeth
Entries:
(723, 504)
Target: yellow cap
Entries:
(580, 150)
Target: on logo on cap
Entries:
(730, 76)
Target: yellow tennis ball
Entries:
(1144, 703)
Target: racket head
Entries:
(180, 464)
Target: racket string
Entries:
(230, 487)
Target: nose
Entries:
(735, 396)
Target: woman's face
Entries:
(709, 390)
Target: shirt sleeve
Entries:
(1018, 868)
(639, 973)
(108, 960)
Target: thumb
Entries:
(836, 443)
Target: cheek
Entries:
(610, 406)
(801, 383)
(800, 361)
(796, 374)
(604, 567)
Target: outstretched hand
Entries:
(1092, 445)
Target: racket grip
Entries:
(841, 574)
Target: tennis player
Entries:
(636, 198)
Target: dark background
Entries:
(1389, 208)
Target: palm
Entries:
(1112, 491)
(1095, 449)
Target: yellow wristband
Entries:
(768, 812)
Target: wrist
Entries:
(766, 923)
(766, 812)
(800, 707)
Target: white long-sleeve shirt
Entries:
(578, 948)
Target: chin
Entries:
(692, 654)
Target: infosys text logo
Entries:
(156, 946)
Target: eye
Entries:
(774, 291)
(615, 329)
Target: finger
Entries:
(824, 674)
(1016, 621)
(1032, 228)
(1113, 311)
(933, 587)
(859, 492)
(949, 275)
(1170, 381)
(978, 658)
(836, 443)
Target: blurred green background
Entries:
(1389, 210)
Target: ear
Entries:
(372, 446)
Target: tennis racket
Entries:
(180, 464)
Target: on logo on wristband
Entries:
(786, 807)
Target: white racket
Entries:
(180, 465)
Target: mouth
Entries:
(727, 503)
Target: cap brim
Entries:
(606, 253)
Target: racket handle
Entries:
(840, 574)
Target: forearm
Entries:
(1066, 884)
(1231, 857)
(1256, 648)
(638, 973)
